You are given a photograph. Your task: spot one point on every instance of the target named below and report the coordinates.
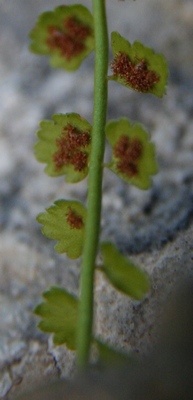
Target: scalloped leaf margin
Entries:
(138, 67)
(65, 34)
(133, 155)
(64, 145)
(59, 313)
(64, 221)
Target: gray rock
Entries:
(154, 228)
(164, 373)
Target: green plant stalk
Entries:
(92, 228)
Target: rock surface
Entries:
(154, 228)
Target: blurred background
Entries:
(154, 226)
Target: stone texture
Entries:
(154, 228)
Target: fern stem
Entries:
(94, 198)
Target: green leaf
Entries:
(111, 356)
(65, 221)
(123, 274)
(133, 155)
(65, 34)
(59, 315)
(64, 145)
(138, 67)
